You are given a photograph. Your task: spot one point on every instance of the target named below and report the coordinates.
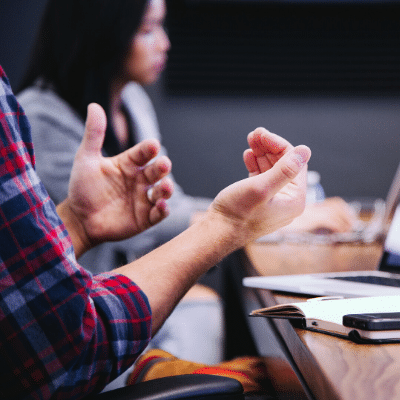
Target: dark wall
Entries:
(324, 75)
(18, 24)
(354, 136)
(355, 141)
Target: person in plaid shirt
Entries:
(65, 333)
(59, 326)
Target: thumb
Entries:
(95, 128)
(289, 168)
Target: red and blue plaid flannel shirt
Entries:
(64, 333)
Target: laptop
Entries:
(385, 281)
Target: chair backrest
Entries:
(181, 387)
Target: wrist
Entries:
(75, 228)
(229, 233)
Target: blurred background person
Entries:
(102, 52)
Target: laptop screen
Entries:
(391, 251)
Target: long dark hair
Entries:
(80, 47)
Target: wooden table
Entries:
(309, 365)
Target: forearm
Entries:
(168, 272)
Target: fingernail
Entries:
(301, 155)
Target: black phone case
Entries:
(373, 321)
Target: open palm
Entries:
(109, 195)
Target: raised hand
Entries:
(109, 197)
(274, 193)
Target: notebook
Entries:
(384, 281)
(363, 319)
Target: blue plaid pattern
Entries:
(64, 333)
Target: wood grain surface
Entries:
(333, 368)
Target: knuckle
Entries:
(288, 171)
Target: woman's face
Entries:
(147, 55)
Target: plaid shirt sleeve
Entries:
(64, 333)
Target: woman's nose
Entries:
(164, 42)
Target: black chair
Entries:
(181, 387)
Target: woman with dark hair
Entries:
(81, 49)
(99, 51)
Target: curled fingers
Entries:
(157, 170)
(162, 190)
(287, 170)
(158, 196)
(137, 157)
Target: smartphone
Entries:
(373, 321)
